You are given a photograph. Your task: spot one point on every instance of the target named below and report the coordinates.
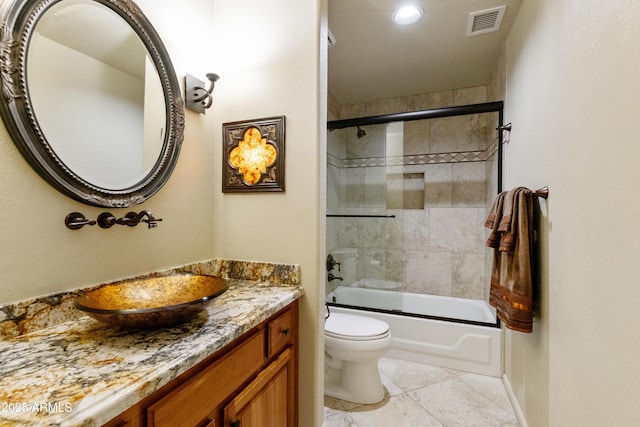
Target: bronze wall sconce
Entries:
(197, 98)
(253, 155)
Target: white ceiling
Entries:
(374, 58)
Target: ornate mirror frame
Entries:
(18, 20)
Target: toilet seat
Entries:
(355, 328)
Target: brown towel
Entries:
(509, 221)
(493, 221)
(511, 286)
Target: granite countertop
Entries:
(83, 373)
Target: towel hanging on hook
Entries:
(511, 290)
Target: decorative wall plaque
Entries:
(253, 155)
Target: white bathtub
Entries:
(468, 347)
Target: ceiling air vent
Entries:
(485, 21)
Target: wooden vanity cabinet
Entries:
(251, 382)
(267, 401)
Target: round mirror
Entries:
(91, 98)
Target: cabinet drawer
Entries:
(281, 332)
(193, 402)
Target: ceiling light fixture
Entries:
(407, 15)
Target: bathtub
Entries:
(447, 332)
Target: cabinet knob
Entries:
(235, 423)
(285, 331)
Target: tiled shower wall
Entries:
(435, 176)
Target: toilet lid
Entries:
(353, 327)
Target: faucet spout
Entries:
(151, 221)
(132, 219)
(107, 220)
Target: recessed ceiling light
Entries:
(407, 15)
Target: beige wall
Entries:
(269, 62)
(39, 255)
(268, 57)
(573, 98)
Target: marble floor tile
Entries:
(339, 420)
(411, 375)
(418, 395)
(396, 411)
(489, 387)
(454, 403)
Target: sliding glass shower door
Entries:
(406, 203)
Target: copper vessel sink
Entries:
(151, 302)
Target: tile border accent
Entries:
(416, 159)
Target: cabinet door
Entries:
(267, 401)
(132, 417)
(194, 402)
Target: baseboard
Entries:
(514, 402)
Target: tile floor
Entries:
(420, 395)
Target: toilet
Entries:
(353, 345)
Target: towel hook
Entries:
(541, 192)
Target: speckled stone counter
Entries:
(81, 372)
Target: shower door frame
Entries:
(486, 107)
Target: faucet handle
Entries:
(331, 262)
(106, 220)
(75, 221)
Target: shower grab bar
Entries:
(359, 216)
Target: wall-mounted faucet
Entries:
(132, 219)
(332, 277)
(107, 220)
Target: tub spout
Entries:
(332, 277)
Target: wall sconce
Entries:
(197, 98)
(253, 157)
